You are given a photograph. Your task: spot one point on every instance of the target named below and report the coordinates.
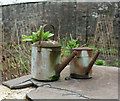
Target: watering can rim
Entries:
(82, 48)
(47, 44)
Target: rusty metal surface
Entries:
(45, 63)
(47, 44)
(80, 63)
(66, 61)
(47, 27)
(83, 48)
(91, 63)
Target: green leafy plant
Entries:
(103, 50)
(15, 60)
(67, 44)
(117, 63)
(100, 62)
(0, 65)
(72, 44)
(36, 36)
(64, 41)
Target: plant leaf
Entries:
(28, 39)
(34, 33)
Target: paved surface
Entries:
(103, 85)
(6, 93)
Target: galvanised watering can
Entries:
(46, 62)
(81, 65)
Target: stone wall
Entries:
(118, 20)
(76, 18)
(0, 42)
(25, 18)
(0, 32)
(0, 24)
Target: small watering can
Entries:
(46, 60)
(81, 65)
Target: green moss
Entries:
(54, 77)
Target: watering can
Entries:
(46, 62)
(81, 65)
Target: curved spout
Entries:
(64, 64)
(91, 63)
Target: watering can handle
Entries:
(43, 27)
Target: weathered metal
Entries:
(46, 56)
(46, 64)
(64, 63)
(46, 60)
(91, 63)
(80, 66)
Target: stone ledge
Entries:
(103, 85)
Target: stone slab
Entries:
(6, 93)
(53, 93)
(20, 82)
(103, 85)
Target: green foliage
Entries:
(17, 60)
(36, 36)
(103, 50)
(65, 52)
(67, 44)
(117, 63)
(100, 62)
(0, 65)
(64, 41)
(72, 44)
(94, 48)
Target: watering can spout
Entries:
(65, 63)
(91, 63)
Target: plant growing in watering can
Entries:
(35, 36)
